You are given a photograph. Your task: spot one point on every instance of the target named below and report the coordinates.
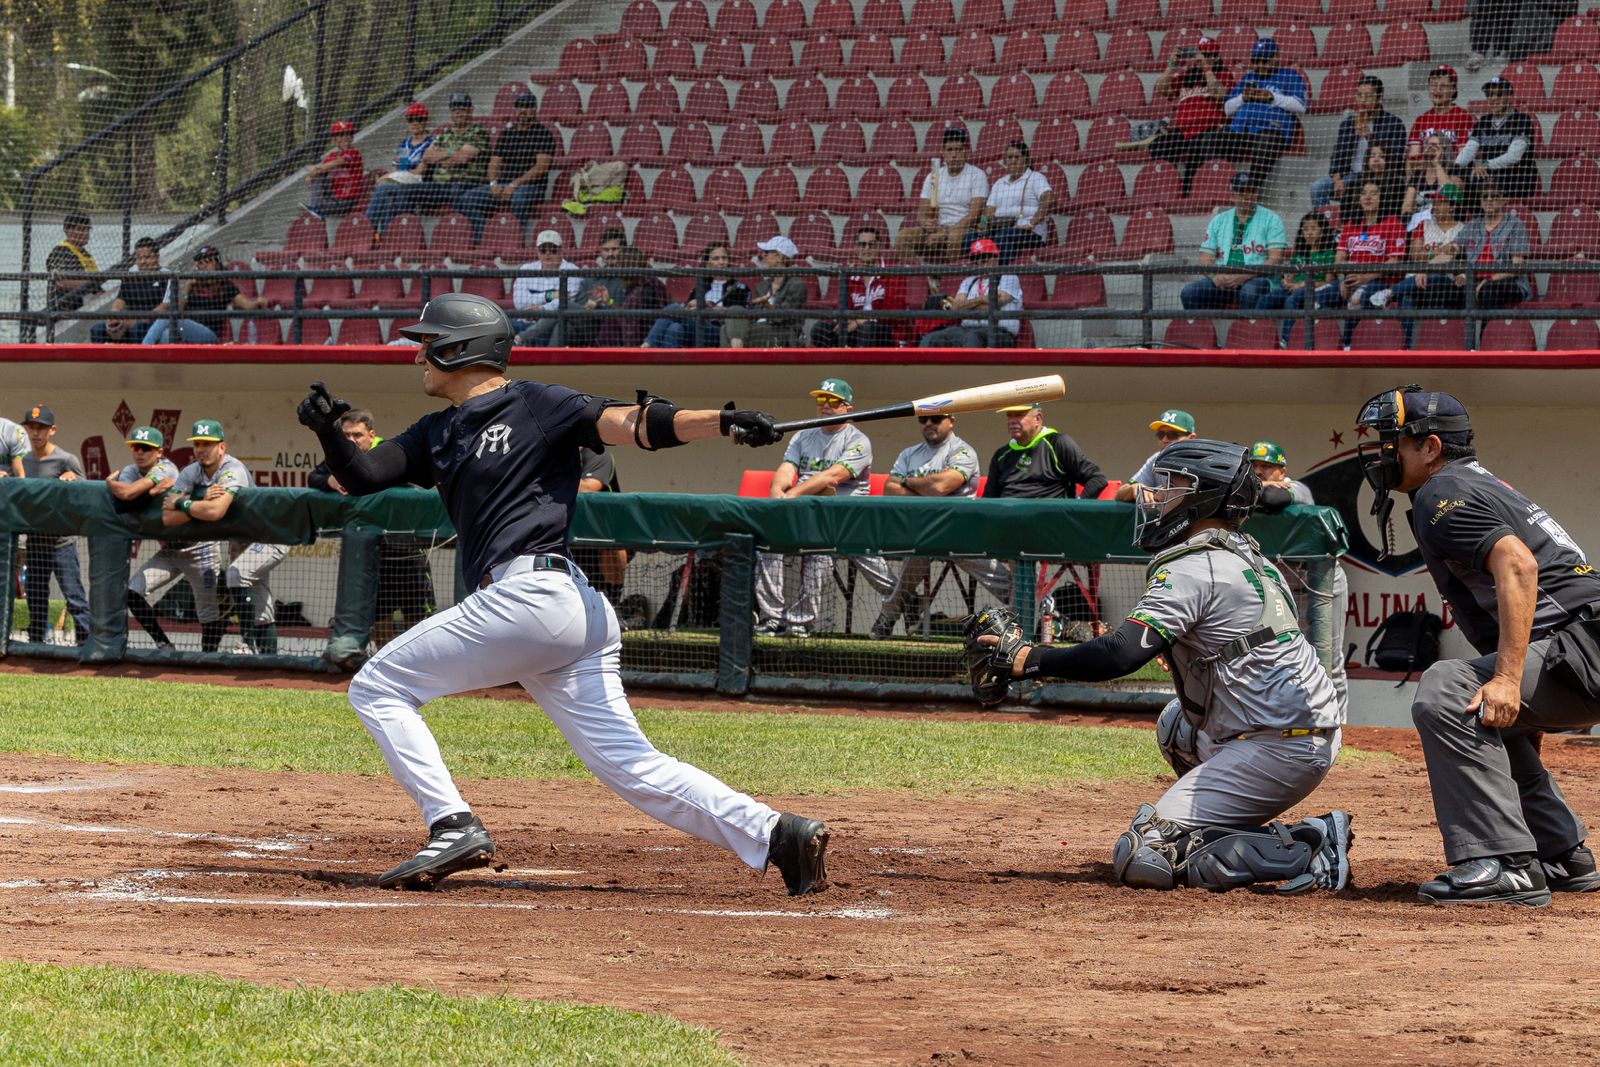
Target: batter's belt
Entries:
(524, 564)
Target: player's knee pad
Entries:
(1228, 857)
(1149, 853)
(1178, 739)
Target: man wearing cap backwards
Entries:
(335, 179)
(1503, 138)
(1246, 235)
(519, 168)
(977, 294)
(542, 293)
(1171, 425)
(1443, 116)
(941, 464)
(151, 475)
(48, 553)
(204, 492)
(1263, 115)
(457, 160)
(787, 292)
(1525, 596)
(952, 198)
(504, 455)
(831, 460)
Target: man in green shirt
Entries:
(1244, 236)
(458, 160)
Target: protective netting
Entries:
(51, 594)
(684, 125)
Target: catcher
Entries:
(1256, 723)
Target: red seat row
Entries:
(1386, 335)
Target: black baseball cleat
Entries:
(1573, 871)
(1489, 880)
(455, 843)
(799, 848)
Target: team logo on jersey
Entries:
(496, 438)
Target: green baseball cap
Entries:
(146, 435)
(206, 430)
(1173, 419)
(834, 387)
(1268, 452)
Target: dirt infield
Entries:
(974, 929)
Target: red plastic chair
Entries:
(1129, 49)
(896, 141)
(736, 17)
(1149, 233)
(1440, 335)
(724, 56)
(658, 102)
(750, 231)
(362, 332)
(1300, 11)
(1090, 235)
(306, 235)
(590, 141)
(973, 50)
(828, 189)
(1377, 335)
(844, 141)
(997, 133)
(961, 96)
(561, 103)
(1209, 188)
(773, 56)
(1074, 291)
(452, 238)
(1039, 14)
(1121, 93)
(807, 98)
(1250, 335)
(1573, 291)
(813, 234)
(777, 189)
(674, 190)
(1347, 44)
(1575, 133)
(909, 97)
(1575, 181)
(1402, 43)
(823, 54)
(1157, 184)
(387, 294)
(1055, 139)
(1507, 335)
(691, 143)
(1100, 185)
(1324, 339)
(756, 484)
(489, 288)
(873, 54)
(923, 52)
(1014, 95)
(704, 229)
(727, 189)
(933, 15)
(502, 239)
(1577, 85)
(675, 58)
(1077, 50)
(1572, 335)
(882, 187)
(641, 143)
(1025, 50)
(641, 18)
(757, 99)
(708, 101)
(858, 98)
(742, 143)
(1574, 231)
(558, 221)
(1528, 89)
(579, 59)
(784, 17)
(403, 240)
(884, 16)
(793, 142)
(1187, 13)
(657, 237)
(1104, 134)
(1296, 46)
(835, 16)
(624, 58)
(1067, 95)
(1577, 41)
(351, 238)
(1200, 334)
(1337, 92)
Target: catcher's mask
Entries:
(1194, 480)
(1405, 412)
(460, 330)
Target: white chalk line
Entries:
(64, 787)
(254, 845)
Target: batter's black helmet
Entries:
(1195, 480)
(461, 330)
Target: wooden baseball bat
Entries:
(979, 398)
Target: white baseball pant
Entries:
(992, 574)
(199, 563)
(251, 566)
(553, 634)
(814, 573)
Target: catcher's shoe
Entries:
(1489, 880)
(455, 843)
(1330, 866)
(1573, 871)
(799, 848)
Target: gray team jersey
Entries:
(13, 441)
(1300, 492)
(814, 451)
(955, 454)
(163, 470)
(1146, 474)
(230, 474)
(57, 463)
(1199, 602)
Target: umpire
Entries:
(1527, 599)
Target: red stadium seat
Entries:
(757, 99)
(777, 189)
(1014, 95)
(641, 18)
(1353, 11)
(736, 17)
(1378, 335)
(909, 97)
(403, 240)
(1247, 12)
(673, 190)
(807, 99)
(1337, 92)
(885, 16)
(973, 50)
(1234, 44)
(452, 238)
(489, 288)
(1038, 14)
(641, 143)
(1299, 11)
(1209, 187)
(1074, 291)
(561, 103)
(1190, 333)
(1186, 13)
(1573, 291)
(723, 56)
(1100, 185)
(362, 332)
(691, 143)
(579, 59)
(933, 15)
(742, 143)
(813, 235)
(690, 19)
(1105, 133)
(1577, 85)
(657, 237)
(1025, 50)
(1528, 87)
(1575, 231)
(1347, 45)
(312, 331)
(1577, 41)
(1251, 335)
(828, 188)
(874, 54)
(708, 101)
(961, 96)
(1324, 339)
(558, 221)
(896, 141)
(502, 239)
(793, 141)
(750, 231)
(784, 17)
(1129, 49)
(307, 235)
(1121, 93)
(624, 58)
(1149, 233)
(351, 238)
(1575, 181)
(999, 131)
(1440, 335)
(592, 140)
(835, 16)
(824, 54)
(1055, 139)
(503, 97)
(387, 293)
(1507, 335)
(1296, 46)
(1575, 133)
(923, 52)
(843, 141)
(882, 188)
(1091, 235)
(1129, 12)
(858, 98)
(1066, 95)
(675, 58)
(773, 57)
(1572, 335)
(658, 101)
(1077, 51)
(1157, 184)
(726, 189)
(1414, 10)
(1402, 43)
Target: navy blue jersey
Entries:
(506, 464)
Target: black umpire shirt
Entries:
(1459, 515)
(1051, 465)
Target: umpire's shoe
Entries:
(799, 848)
(1489, 880)
(1573, 871)
(455, 843)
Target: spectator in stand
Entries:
(542, 293)
(205, 303)
(1015, 215)
(336, 179)
(1437, 241)
(952, 198)
(599, 291)
(1198, 80)
(640, 292)
(1246, 235)
(457, 160)
(1504, 137)
(1171, 426)
(1492, 23)
(1313, 246)
(519, 168)
(1442, 116)
(46, 554)
(867, 292)
(1372, 238)
(1495, 240)
(981, 292)
(408, 165)
(1424, 183)
(713, 291)
(1263, 111)
(144, 297)
(1383, 166)
(71, 254)
(773, 291)
(1367, 124)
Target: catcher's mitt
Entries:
(989, 666)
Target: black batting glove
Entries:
(753, 428)
(319, 411)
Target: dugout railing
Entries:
(1158, 301)
(683, 572)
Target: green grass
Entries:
(19, 614)
(121, 720)
(105, 1016)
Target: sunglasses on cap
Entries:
(925, 419)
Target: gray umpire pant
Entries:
(1491, 793)
(252, 565)
(992, 574)
(814, 571)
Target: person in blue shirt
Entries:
(1263, 112)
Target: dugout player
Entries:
(941, 464)
(405, 581)
(50, 554)
(204, 492)
(1521, 590)
(1256, 723)
(1171, 425)
(607, 567)
(831, 460)
(504, 456)
(152, 474)
(13, 446)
